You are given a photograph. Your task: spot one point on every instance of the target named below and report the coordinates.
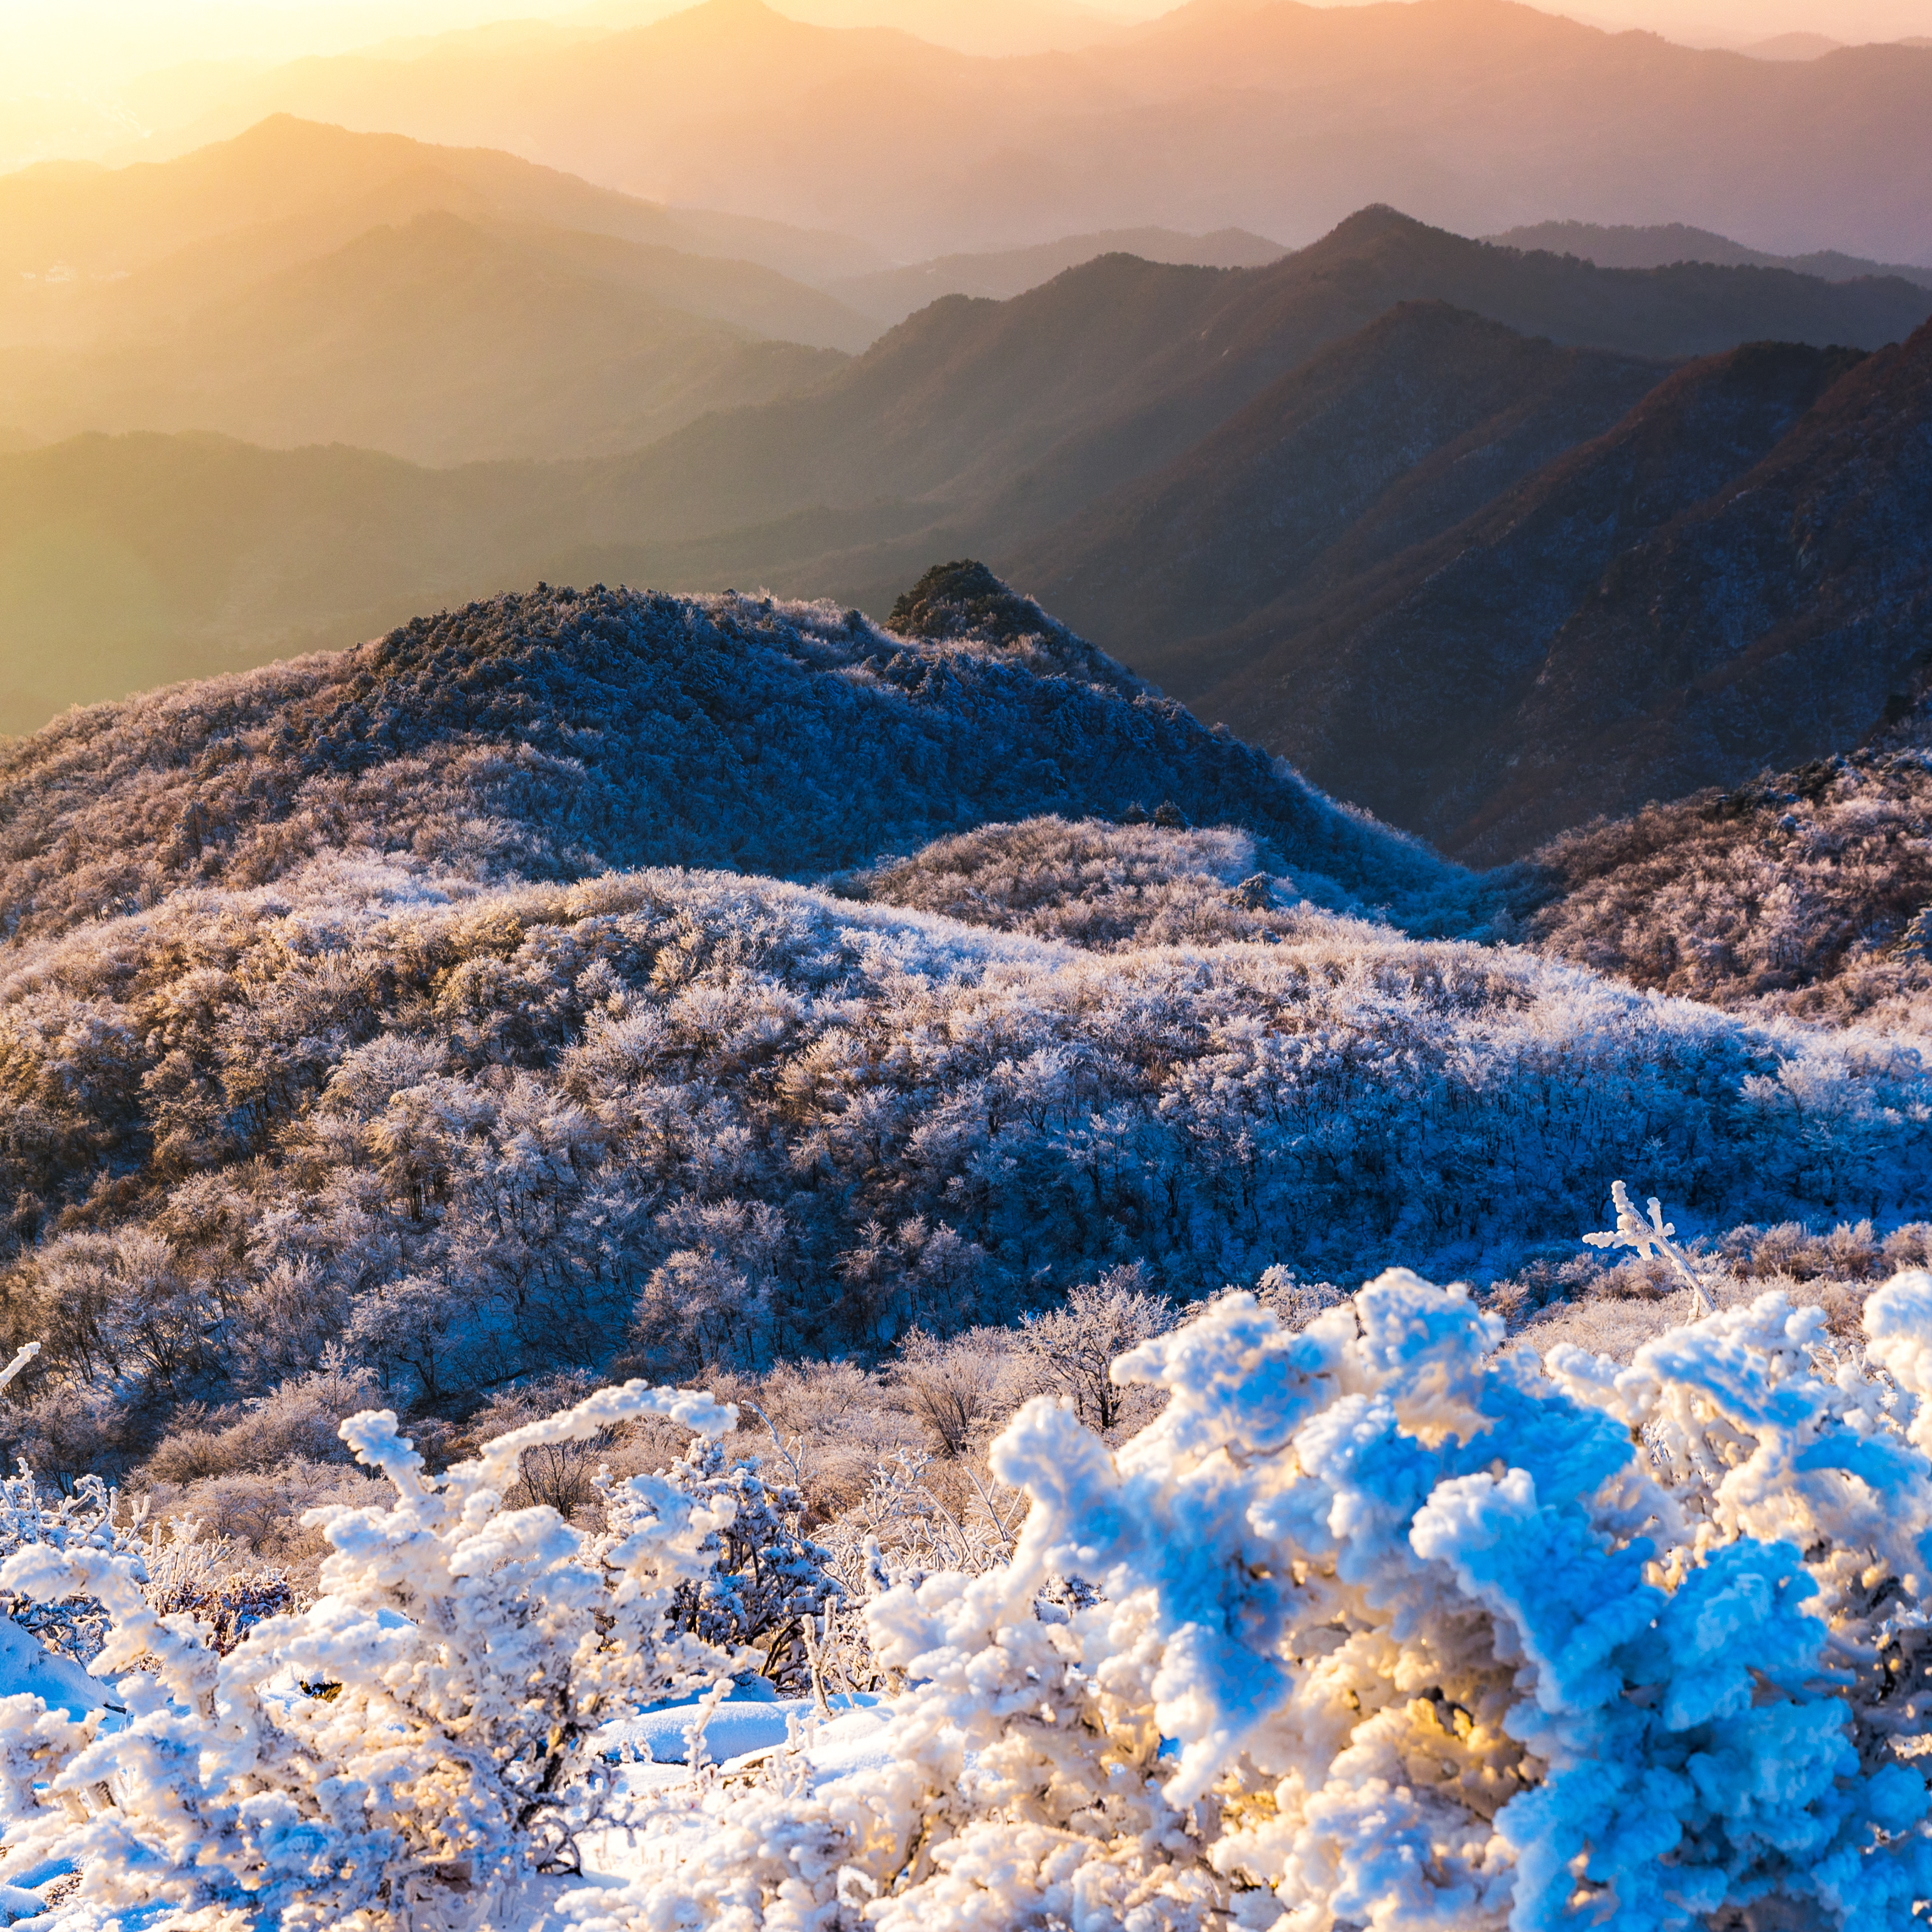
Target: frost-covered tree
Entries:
(1398, 1629)
(416, 1741)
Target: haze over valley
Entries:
(295, 386)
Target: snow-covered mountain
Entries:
(893, 1030)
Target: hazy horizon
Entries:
(94, 47)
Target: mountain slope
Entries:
(561, 732)
(1374, 445)
(443, 341)
(328, 1030)
(132, 561)
(1775, 621)
(1802, 892)
(1736, 575)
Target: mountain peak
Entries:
(1378, 223)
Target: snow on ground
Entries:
(741, 1726)
(28, 1669)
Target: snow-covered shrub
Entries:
(209, 1580)
(765, 1579)
(913, 1522)
(299, 1420)
(1401, 1630)
(1073, 1348)
(1293, 1301)
(413, 1743)
(959, 1390)
(835, 1422)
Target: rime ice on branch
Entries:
(1398, 1629)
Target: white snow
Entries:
(28, 1669)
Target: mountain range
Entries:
(1278, 118)
(1624, 247)
(1353, 501)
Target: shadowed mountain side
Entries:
(1623, 247)
(443, 342)
(1378, 443)
(1775, 623)
(1640, 618)
(559, 733)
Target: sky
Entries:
(94, 47)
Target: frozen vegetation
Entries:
(1800, 893)
(1378, 1623)
(606, 1179)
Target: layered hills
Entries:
(1346, 501)
(1623, 246)
(1280, 118)
(300, 284)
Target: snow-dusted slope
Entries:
(555, 734)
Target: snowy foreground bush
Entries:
(1396, 1628)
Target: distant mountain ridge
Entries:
(1656, 247)
(893, 294)
(1277, 118)
(1003, 419)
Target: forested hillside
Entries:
(1734, 575)
(328, 1011)
(1802, 892)
(560, 732)
(425, 1037)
